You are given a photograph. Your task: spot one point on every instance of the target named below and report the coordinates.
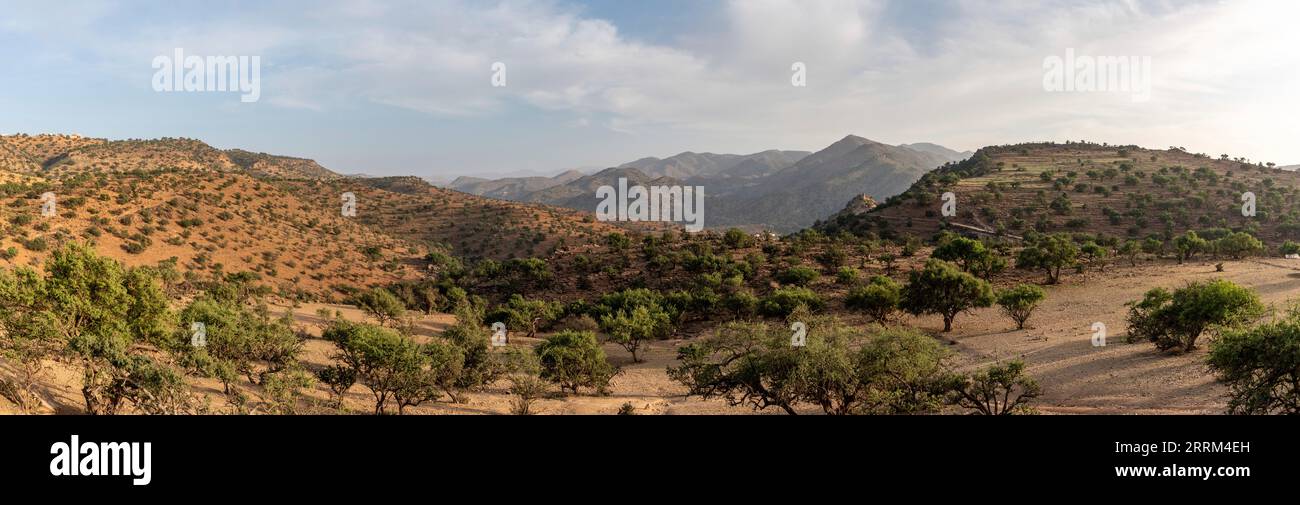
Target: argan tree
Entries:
(573, 360)
(941, 288)
(840, 369)
(1049, 253)
(998, 390)
(637, 327)
(878, 299)
(1176, 320)
(382, 305)
(1018, 303)
(93, 310)
(1261, 366)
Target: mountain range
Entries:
(783, 191)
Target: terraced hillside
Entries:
(1123, 191)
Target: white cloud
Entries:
(1225, 72)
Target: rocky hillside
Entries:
(1124, 191)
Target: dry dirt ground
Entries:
(1077, 378)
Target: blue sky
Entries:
(403, 87)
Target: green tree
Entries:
(521, 314)
(798, 276)
(573, 360)
(736, 238)
(381, 304)
(1049, 254)
(1261, 366)
(1019, 302)
(394, 366)
(1176, 320)
(998, 390)
(240, 339)
(941, 288)
(878, 299)
(93, 310)
(1095, 254)
(962, 251)
(1130, 250)
(633, 329)
(1239, 244)
(1188, 245)
(840, 369)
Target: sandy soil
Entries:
(1077, 378)
(1119, 378)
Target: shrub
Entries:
(798, 276)
(840, 370)
(1188, 245)
(1019, 302)
(240, 339)
(521, 314)
(941, 288)
(1261, 367)
(574, 360)
(783, 301)
(1176, 320)
(633, 329)
(1049, 254)
(878, 299)
(998, 390)
(94, 309)
(1238, 245)
(736, 238)
(381, 304)
(393, 366)
(848, 276)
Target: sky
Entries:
(406, 87)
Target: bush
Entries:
(798, 276)
(381, 304)
(1188, 245)
(1019, 302)
(879, 299)
(783, 301)
(848, 276)
(574, 360)
(632, 329)
(1261, 367)
(240, 339)
(1176, 320)
(998, 390)
(393, 366)
(95, 310)
(521, 314)
(742, 303)
(737, 239)
(1238, 245)
(1049, 254)
(840, 370)
(941, 288)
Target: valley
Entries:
(295, 296)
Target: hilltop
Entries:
(1123, 191)
(209, 212)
